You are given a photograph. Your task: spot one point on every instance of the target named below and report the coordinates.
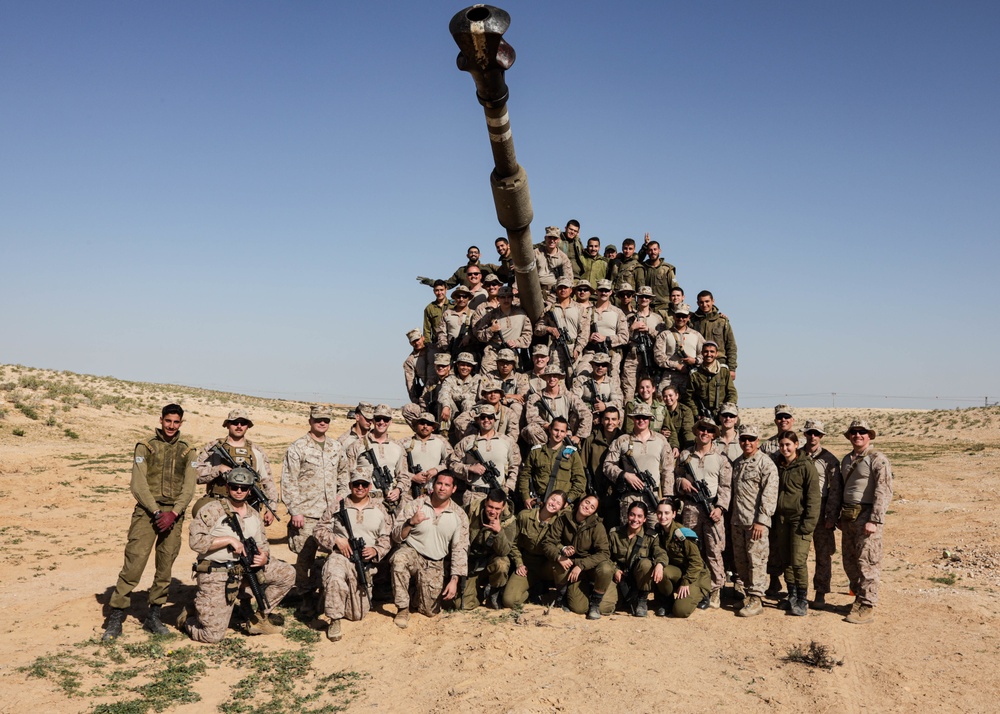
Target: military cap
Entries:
(241, 476)
(235, 414)
(644, 291)
(642, 410)
(707, 423)
(485, 410)
(729, 408)
(490, 278)
(859, 424)
(783, 409)
(321, 411)
(600, 358)
(748, 430)
(442, 358)
(625, 288)
(709, 343)
(505, 291)
(383, 410)
(605, 285)
(366, 410)
(413, 335)
(465, 357)
(565, 282)
(682, 309)
(553, 232)
(610, 246)
(506, 355)
(361, 473)
(539, 349)
(553, 368)
(490, 385)
(426, 417)
(461, 290)
(814, 425)
(584, 284)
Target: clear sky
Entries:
(238, 195)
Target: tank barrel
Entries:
(483, 53)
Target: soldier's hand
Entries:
(871, 528)
(732, 373)
(422, 477)
(451, 589)
(618, 576)
(519, 398)
(683, 591)
(223, 469)
(716, 514)
(686, 486)
(393, 495)
(298, 521)
(493, 525)
(259, 560)
(236, 546)
(569, 551)
(267, 517)
(565, 563)
(446, 414)
(600, 406)
(634, 482)
(477, 469)
(343, 547)
(677, 453)
(645, 239)
(658, 573)
(521, 570)
(574, 574)
(554, 331)
(369, 553)
(418, 517)
(758, 532)
(165, 521)
(531, 503)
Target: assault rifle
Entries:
(602, 346)
(257, 497)
(455, 344)
(543, 405)
(357, 547)
(415, 488)
(562, 344)
(648, 483)
(702, 496)
(644, 350)
(381, 477)
(629, 592)
(589, 473)
(250, 551)
(492, 474)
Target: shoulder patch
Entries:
(536, 446)
(684, 534)
(139, 459)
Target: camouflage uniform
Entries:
(211, 603)
(418, 372)
(459, 394)
(430, 454)
(591, 391)
(630, 363)
(537, 473)
(310, 476)
(515, 333)
(712, 387)
(343, 596)
(716, 328)
(508, 421)
(499, 450)
(755, 496)
(389, 455)
(658, 408)
(594, 451)
(670, 347)
(662, 278)
(569, 319)
(422, 555)
(454, 331)
(489, 554)
(682, 565)
(163, 478)
(680, 421)
(717, 472)
(593, 557)
(208, 468)
(612, 323)
(552, 266)
(567, 405)
(824, 539)
(623, 270)
(653, 455)
(527, 551)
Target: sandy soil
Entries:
(65, 506)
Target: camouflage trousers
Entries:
(213, 612)
(142, 539)
(534, 434)
(751, 559)
(711, 540)
(630, 374)
(302, 543)
(862, 557)
(683, 606)
(791, 550)
(825, 544)
(495, 575)
(343, 597)
(519, 586)
(409, 566)
(600, 578)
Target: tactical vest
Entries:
(496, 451)
(243, 455)
(859, 486)
(165, 468)
(708, 469)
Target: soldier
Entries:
(434, 310)
(555, 400)
(569, 243)
(658, 274)
(212, 470)
(645, 326)
(784, 420)
(702, 464)
(363, 415)
(608, 330)
(582, 293)
(824, 538)
(553, 466)
(678, 351)
(427, 453)
(454, 331)
(859, 497)
(418, 368)
(430, 397)
(633, 552)
(678, 420)
(552, 262)
(624, 267)
(681, 578)
(727, 442)
(481, 306)
(505, 268)
(711, 385)
(594, 265)
(514, 384)
(383, 454)
(163, 483)
(474, 455)
(506, 326)
(562, 327)
(459, 277)
(647, 451)
(218, 569)
(795, 519)
(576, 547)
(508, 419)
(539, 363)
(598, 389)
(459, 391)
(610, 252)
(314, 466)
(491, 537)
(594, 451)
(474, 274)
(527, 555)
(714, 326)
(625, 298)
(755, 496)
(429, 530)
(344, 597)
(645, 395)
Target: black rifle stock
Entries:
(648, 483)
(256, 495)
(492, 473)
(702, 496)
(250, 551)
(381, 478)
(357, 548)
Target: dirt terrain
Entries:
(65, 454)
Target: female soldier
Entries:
(632, 554)
(680, 573)
(577, 549)
(795, 518)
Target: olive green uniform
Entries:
(489, 554)
(635, 557)
(795, 519)
(562, 462)
(682, 565)
(593, 557)
(527, 551)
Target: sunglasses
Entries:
(382, 419)
(238, 487)
(857, 432)
(748, 438)
(704, 430)
(487, 416)
(360, 484)
(637, 417)
(322, 420)
(240, 422)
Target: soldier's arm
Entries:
(687, 425)
(730, 344)
(456, 462)
(323, 532)
(383, 541)
(694, 564)
(203, 465)
(552, 542)
(267, 484)
(503, 542)
(882, 471)
(403, 520)
(599, 552)
(666, 469)
(731, 394)
(724, 493)
(585, 418)
(139, 485)
(612, 471)
(621, 332)
(810, 512)
(513, 465)
(458, 554)
(290, 480)
(199, 534)
(769, 496)
(403, 475)
(441, 333)
(516, 559)
(190, 483)
(523, 340)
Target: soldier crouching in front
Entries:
(492, 530)
(215, 538)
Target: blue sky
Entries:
(239, 195)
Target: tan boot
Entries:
(333, 631)
(260, 624)
(861, 615)
(752, 607)
(402, 618)
(715, 600)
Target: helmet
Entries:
(240, 475)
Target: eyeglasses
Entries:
(705, 430)
(240, 422)
(471, 274)
(382, 419)
(324, 420)
(238, 487)
(603, 290)
(728, 416)
(747, 438)
(360, 484)
(783, 417)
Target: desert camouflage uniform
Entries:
(571, 320)
(422, 555)
(653, 455)
(449, 327)
(567, 405)
(310, 476)
(824, 539)
(551, 266)
(612, 323)
(389, 455)
(343, 597)
(593, 557)
(630, 363)
(755, 496)
(515, 333)
(717, 472)
(499, 450)
(868, 485)
(716, 328)
(677, 374)
(508, 421)
(459, 394)
(489, 554)
(418, 372)
(249, 455)
(210, 601)
(591, 391)
(682, 565)
(163, 478)
(514, 383)
(536, 472)
(731, 450)
(432, 453)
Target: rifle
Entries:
(602, 346)
(629, 592)
(455, 343)
(415, 488)
(562, 344)
(589, 472)
(702, 495)
(548, 410)
(648, 484)
(703, 408)
(381, 477)
(492, 474)
(357, 546)
(257, 497)
(250, 551)
(644, 350)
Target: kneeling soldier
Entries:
(491, 536)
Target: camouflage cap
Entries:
(605, 285)
(600, 358)
(361, 473)
(814, 425)
(860, 424)
(491, 278)
(707, 423)
(641, 409)
(241, 476)
(425, 417)
(748, 430)
(414, 335)
(321, 411)
(383, 410)
(366, 410)
(553, 232)
(461, 290)
(539, 350)
(506, 355)
(625, 288)
(682, 309)
(564, 282)
(710, 343)
(644, 291)
(465, 357)
(729, 408)
(490, 385)
(442, 359)
(553, 368)
(610, 246)
(237, 413)
(584, 284)
(505, 291)
(485, 410)
(783, 409)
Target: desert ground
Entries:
(66, 443)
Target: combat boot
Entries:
(153, 622)
(493, 598)
(333, 631)
(861, 615)
(183, 618)
(703, 604)
(774, 588)
(715, 599)
(260, 624)
(663, 605)
(642, 605)
(402, 618)
(786, 604)
(594, 611)
(113, 629)
(752, 607)
(799, 606)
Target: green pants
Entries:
(519, 586)
(683, 607)
(600, 578)
(791, 550)
(142, 537)
(494, 575)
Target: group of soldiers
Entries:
(592, 461)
